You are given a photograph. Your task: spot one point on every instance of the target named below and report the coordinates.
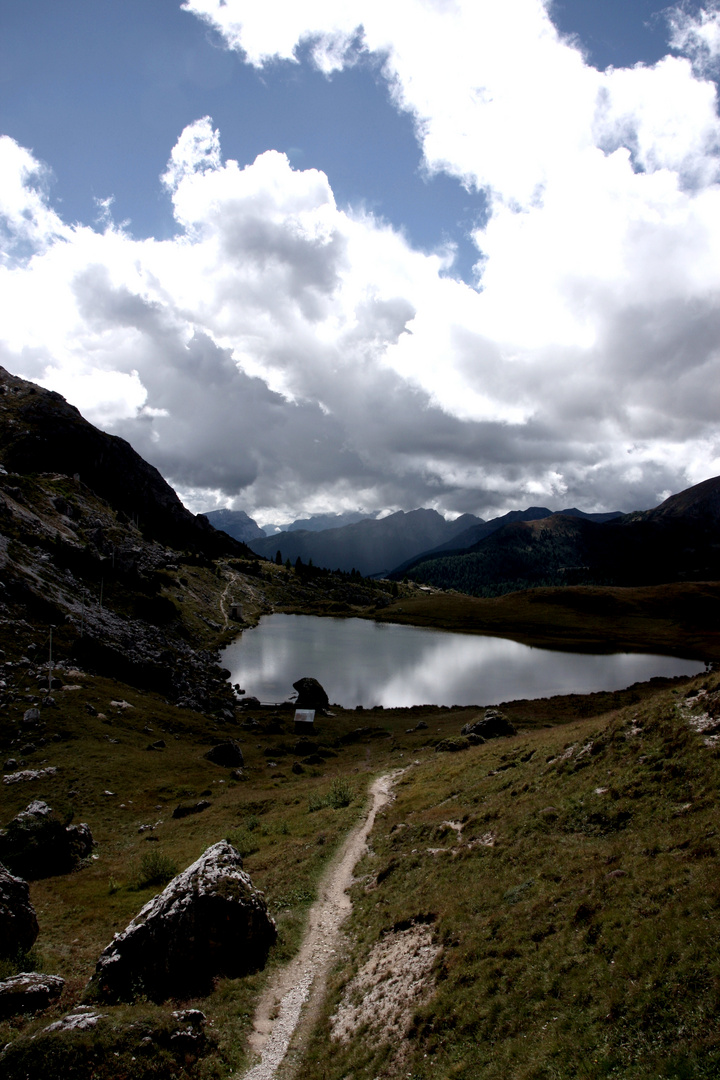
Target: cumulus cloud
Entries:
(697, 34)
(283, 355)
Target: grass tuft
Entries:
(155, 869)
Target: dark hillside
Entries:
(470, 538)
(40, 432)
(677, 541)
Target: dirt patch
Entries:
(389, 988)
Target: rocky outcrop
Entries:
(36, 844)
(25, 775)
(50, 434)
(492, 725)
(209, 921)
(88, 1043)
(28, 992)
(18, 922)
(228, 754)
(310, 694)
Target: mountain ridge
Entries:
(372, 547)
(675, 541)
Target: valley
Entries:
(558, 887)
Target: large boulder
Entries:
(36, 843)
(228, 754)
(209, 921)
(492, 725)
(28, 992)
(18, 922)
(310, 694)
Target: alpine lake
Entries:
(361, 662)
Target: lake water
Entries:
(359, 662)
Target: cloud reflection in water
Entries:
(364, 663)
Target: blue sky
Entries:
(101, 90)
(481, 394)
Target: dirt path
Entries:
(303, 979)
(223, 598)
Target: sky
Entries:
(347, 255)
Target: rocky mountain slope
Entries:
(319, 522)
(369, 546)
(677, 541)
(40, 431)
(98, 554)
(470, 538)
(235, 523)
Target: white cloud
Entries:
(697, 34)
(288, 355)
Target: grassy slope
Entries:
(511, 961)
(679, 619)
(583, 943)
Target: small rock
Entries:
(187, 809)
(82, 1018)
(29, 774)
(158, 745)
(28, 992)
(492, 725)
(228, 754)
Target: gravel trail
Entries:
(303, 979)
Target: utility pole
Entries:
(50, 664)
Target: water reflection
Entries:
(365, 663)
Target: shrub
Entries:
(340, 794)
(243, 841)
(155, 869)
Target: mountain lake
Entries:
(359, 662)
